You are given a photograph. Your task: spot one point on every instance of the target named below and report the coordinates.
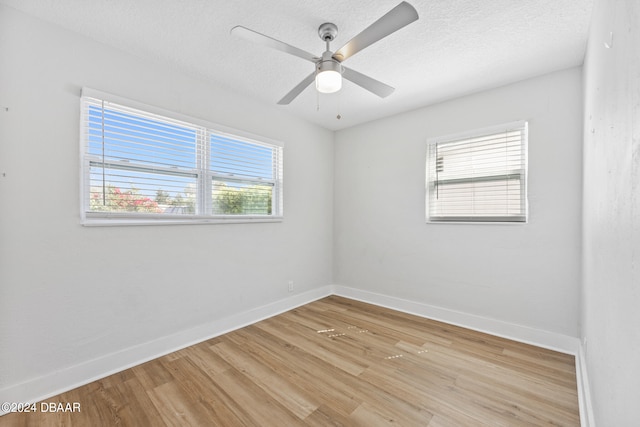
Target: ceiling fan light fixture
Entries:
(328, 76)
(328, 81)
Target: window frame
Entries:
(478, 133)
(203, 173)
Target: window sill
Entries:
(480, 222)
(125, 220)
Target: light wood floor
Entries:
(334, 362)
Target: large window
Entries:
(478, 176)
(143, 165)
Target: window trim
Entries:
(499, 220)
(88, 218)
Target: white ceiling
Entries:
(455, 48)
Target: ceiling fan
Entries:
(329, 70)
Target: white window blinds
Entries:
(478, 176)
(139, 164)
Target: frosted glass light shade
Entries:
(328, 81)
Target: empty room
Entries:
(320, 213)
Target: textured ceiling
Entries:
(455, 48)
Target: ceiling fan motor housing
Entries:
(327, 63)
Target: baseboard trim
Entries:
(44, 387)
(584, 392)
(550, 340)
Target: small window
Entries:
(479, 176)
(144, 166)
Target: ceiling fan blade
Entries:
(298, 89)
(256, 37)
(398, 17)
(368, 83)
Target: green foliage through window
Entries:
(234, 200)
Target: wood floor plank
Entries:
(377, 415)
(531, 408)
(254, 402)
(300, 367)
(325, 416)
(317, 346)
(206, 360)
(201, 385)
(333, 362)
(288, 394)
(176, 405)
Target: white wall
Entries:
(523, 274)
(611, 259)
(70, 294)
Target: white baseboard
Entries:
(44, 387)
(584, 392)
(524, 334)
